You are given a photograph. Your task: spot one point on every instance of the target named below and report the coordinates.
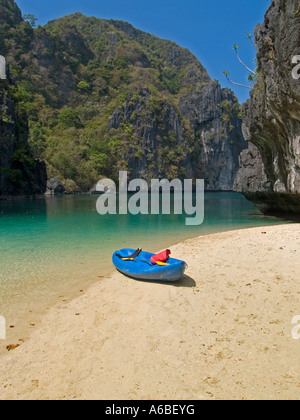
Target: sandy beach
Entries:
(223, 332)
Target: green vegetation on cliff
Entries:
(102, 96)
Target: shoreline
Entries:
(33, 311)
(213, 335)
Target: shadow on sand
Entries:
(185, 281)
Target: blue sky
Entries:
(208, 28)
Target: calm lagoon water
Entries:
(56, 246)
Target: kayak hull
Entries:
(141, 267)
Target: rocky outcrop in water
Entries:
(55, 187)
(271, 117)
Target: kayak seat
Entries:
(134, 255)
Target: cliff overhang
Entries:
(271, 117)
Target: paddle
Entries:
(145, 261)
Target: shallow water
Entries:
(57, 246)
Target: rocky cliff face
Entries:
(214, 115)
(201, 136)
(271, 118)
(102, 96)
(251, 175)
(20, 174)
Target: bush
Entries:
(69, 118)
(83, 86)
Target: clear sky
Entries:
(208, 28)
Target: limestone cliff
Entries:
(271, 117)
(214, 114)
(102, 96)
(251, 175)
(20, 174)
(200, 137)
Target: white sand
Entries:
(223, 332)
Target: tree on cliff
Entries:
(31, 19)
(252, 75)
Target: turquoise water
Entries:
(59, 245)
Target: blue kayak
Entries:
(141, 268)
